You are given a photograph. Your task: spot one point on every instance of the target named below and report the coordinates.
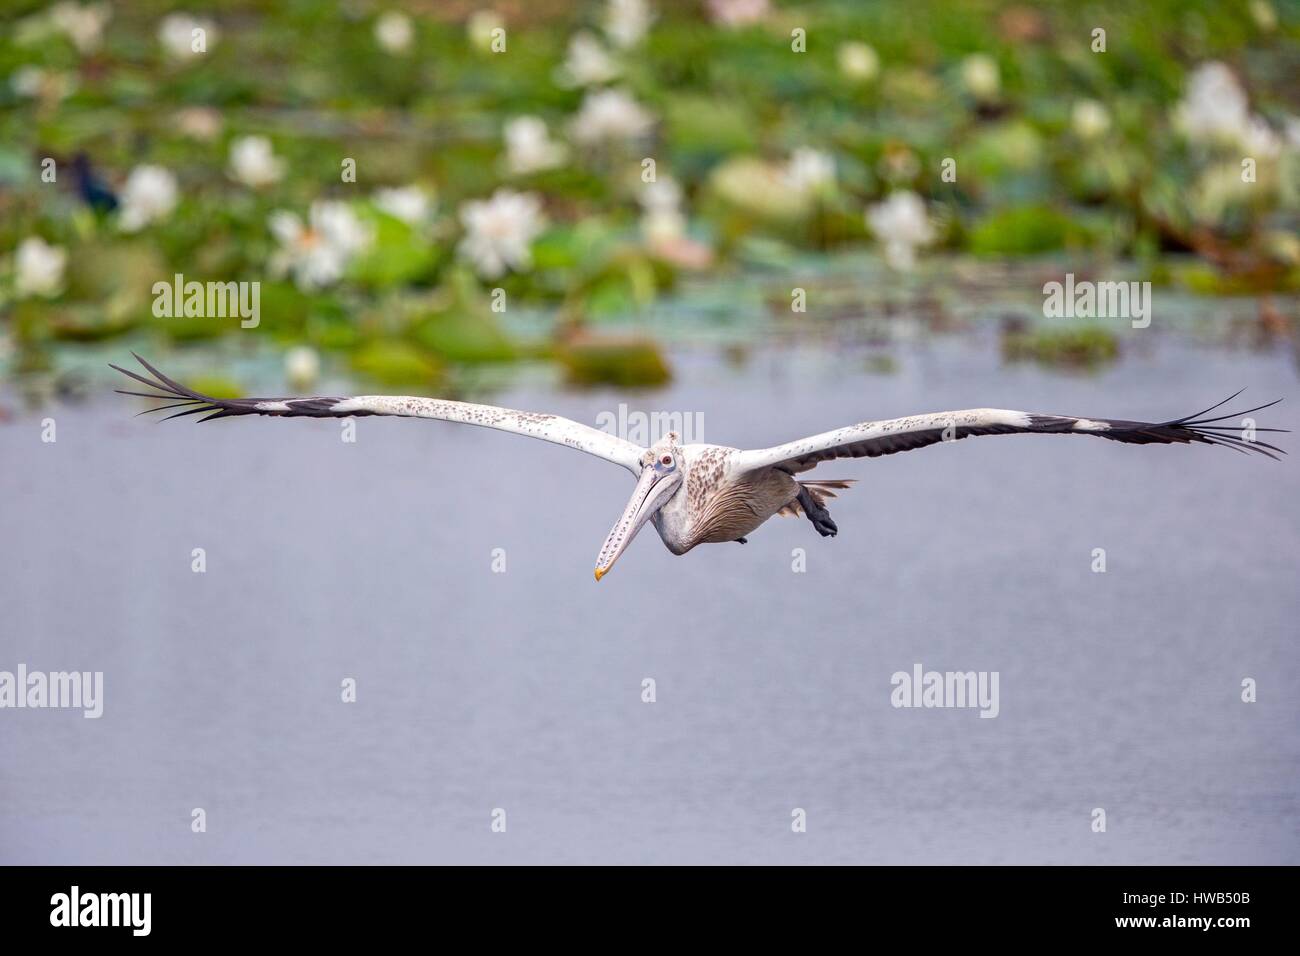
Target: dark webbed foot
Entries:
(742, 541)
(825, 526)
(817, 514)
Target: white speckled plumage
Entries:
(551, 428)
(701, 494)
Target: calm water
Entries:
(522, 690)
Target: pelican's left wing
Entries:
(871, 439)
(552, 428)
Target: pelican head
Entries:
(661, 476)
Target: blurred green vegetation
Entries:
(1083, 346)
(761, 153)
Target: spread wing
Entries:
(552, 428)
(871, 439)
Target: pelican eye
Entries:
(667, 459)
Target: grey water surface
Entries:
(522, 690)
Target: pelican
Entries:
(705, 494)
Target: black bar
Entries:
(212, 904)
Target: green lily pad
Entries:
(625, 362)
(398, 363)
(1084, 346)
(465, 337)
(1023, 230)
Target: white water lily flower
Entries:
(253, 163)
(410, 204)
(588, 63)
(1215, 105)
(499, 231)
(663, 193)
(37, 83)
(393, 32)
(663, 226)
(27, 81)
(301, 367)
(480, 27)
(340, 226)
(1264, 15)
(979, 73)
(177, 34)
(38, 268)
(1215, 108)
(810, 171)
(660, 227)
(608, 115)
(737, 13)
(662, 220)
(1259, 139)
(627, 21)
(901, 223)
(198, 122)
(149, 195)
(529, 148)
(84, 25)
(318, 253)
(858, 61)
(1089, 119)
(759, 188)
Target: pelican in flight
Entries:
(704, 494)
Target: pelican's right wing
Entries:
(871, 439)
(552, 428)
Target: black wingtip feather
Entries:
(191, 411)
(175, 386)
(1180, 421)
(1220, 418)
(168, 389)
(1207, 430)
